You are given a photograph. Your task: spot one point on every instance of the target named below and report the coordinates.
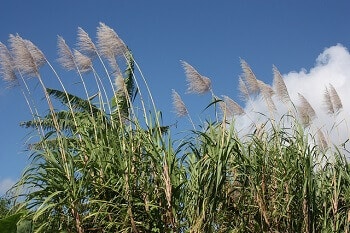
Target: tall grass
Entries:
(103, 162)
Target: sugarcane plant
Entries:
(102, 161)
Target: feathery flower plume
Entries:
(328, 101)
(321, 140)
(265, 89)
(65, 55)
(108, 42)
(244, 92)
(83, 62)
(280, 86)
(72, 60)
(306, 111)
(27, 57)
(267, 93)
(85, 44)
(36, 53)
(232, 106)
(197, 83)
(7, 69)
(110, 46)
(179, 105)
(332, 100)
(337, 103)
(252, 82)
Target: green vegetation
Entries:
(103, 162)
(4, 207)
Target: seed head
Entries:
(232, 107)
(7, 67)
(197, 83)
(244, 92)
(65, 55)
(108, 42)
(251, 80)
(280, 86)
(27, 57)
(337, 103)
(267, 92)
(83, 62)
(85, 44)
(179, 105)
(306, 111)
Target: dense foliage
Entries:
(103, 161)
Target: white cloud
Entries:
(5, 185)
(332, 67)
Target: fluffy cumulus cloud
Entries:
(5, 185)
(329, 77)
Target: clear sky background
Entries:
(210, 35)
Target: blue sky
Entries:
(210, 35)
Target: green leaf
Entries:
(9, 223)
